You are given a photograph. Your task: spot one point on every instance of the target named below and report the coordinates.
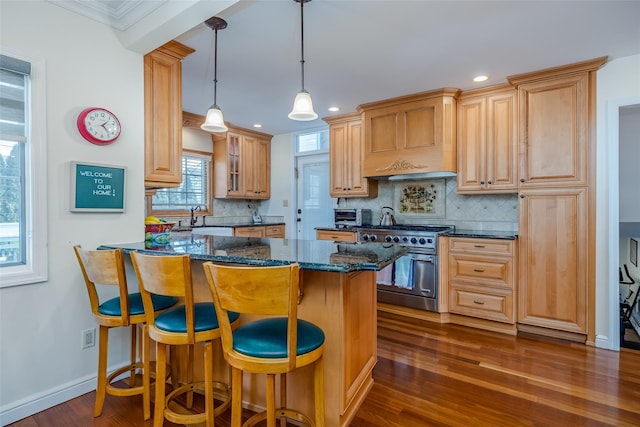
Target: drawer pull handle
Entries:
(478, 246)
(477, 270)
(478, 302)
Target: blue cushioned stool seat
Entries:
(174, 320)
(267, 338)
(112, 306)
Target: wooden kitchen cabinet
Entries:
(410, 134)
(257, 167)
(274, 231)
(256, 231)
(556, 283)
(260, 231)
(242, 164)
(163, 115)
(556, 124)
(337, 235)
(482, 277)
(554, 261)
(346, 152)
(487, 121)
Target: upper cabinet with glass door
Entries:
(242, 164)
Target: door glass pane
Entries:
(314, 201)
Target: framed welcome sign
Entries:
(97, 188)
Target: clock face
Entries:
(98, 126)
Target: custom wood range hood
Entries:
(412, 136)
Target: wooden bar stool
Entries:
(185, 324)
(274, 345)
(107, 268)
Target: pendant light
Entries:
(214, 121)
(302, 105)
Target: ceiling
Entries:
(359, 51)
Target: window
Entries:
(313, 141)
(195, 189)
(23, 210)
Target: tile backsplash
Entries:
(496, 212)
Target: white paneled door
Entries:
(314, 205)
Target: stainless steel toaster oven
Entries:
(350, 217)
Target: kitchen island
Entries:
(337, 293)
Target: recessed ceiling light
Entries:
(334, 109)
(480, 78)
(257, 125)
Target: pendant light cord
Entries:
(215, 68)
(302, 41)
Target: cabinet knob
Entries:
(522, 196)
(521, 179)
(490, 182)
(482, 182)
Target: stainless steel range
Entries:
(412, 280)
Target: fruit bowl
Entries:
(163, 227)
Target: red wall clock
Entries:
(98, 126)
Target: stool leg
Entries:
(318, 381)
(283, 397)
(134, 354)
(209, 409)
(190, 374)
(271, 400)
(236, 397)
(146, 373)
(101, 387)
(161, 360)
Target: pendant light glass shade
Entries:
(303, 108)
(214, 121)
(302, 105)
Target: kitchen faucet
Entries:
(193, 218)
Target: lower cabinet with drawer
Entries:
(260, 231)
(336, 235)
(482, 278)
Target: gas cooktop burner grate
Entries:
(416, 228)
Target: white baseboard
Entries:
(602, 341)
(38, 402)
(35, 403)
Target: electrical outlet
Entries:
(88, 337)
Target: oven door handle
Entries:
(423, 258)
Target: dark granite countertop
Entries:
(248, 225)
(244, 224)
(479, 234)
(484, 234)
(328, 228)
(319, 255)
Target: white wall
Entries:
(41, 323)
(618, 83)
(282, 183)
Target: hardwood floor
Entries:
(447, 375)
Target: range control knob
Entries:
(387, 238)
(414, 240)
(373, 238)
(422, 241)
(365, 237)
(396, 239)
(405, 239)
